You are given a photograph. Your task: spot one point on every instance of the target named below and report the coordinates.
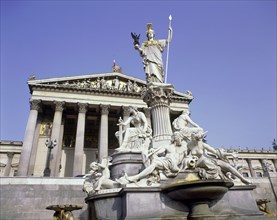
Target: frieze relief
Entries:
(103, 84)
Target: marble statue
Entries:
(134, 137)
(170, 164)
(98, 177)
(212, 163)
(185, 125)
(151, 52)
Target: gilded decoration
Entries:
(45, 129)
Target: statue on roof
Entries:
(151, 52)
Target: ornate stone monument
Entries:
(168, 172)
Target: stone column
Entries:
(28, 139)
(252, 172)
(103, 135)
(34, 149)
(147, 112)
(80, 137)
(9, 164)
(158, 97)
(55, 135)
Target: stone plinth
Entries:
(224, 203)
(126, 162)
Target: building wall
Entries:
(27, 198)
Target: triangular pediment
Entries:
(103, 82)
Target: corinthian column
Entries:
(80, 137)
(9, 164)
(55, 135)
(28, 139)
(158, 97)
(103, 135)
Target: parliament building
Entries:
(73, 121)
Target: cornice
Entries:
(90, 84)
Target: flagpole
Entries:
(167, 53)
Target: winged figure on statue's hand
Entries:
(135, 37)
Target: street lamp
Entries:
(50, 145)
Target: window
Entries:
(245, 174)
(259, 174)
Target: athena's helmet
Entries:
(149, 29)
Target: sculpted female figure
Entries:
(141, 128)
(212, 166)
(151, 52)
(185, 125)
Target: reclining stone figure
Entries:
(212, 163)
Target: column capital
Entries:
(59, 106)
(35, 104)
(158, 95)
(105, 109)
(83, 107)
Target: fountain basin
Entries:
(198, 195)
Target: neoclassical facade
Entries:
(80, 114)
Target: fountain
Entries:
(168, 172)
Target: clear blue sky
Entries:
(222, 51)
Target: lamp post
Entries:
(50, 145)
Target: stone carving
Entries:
(129, 86)
(111, 85)
(185, 125)
(170, 165)
(134, 138)
(98, 177)
(105, 109)
(35, 104)
(157, 94)
(151, 52)
(59, 106)
(83, 107)
(115, 84)
(212, 163)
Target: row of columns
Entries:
(253, 173)
(28, 142)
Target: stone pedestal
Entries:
(126, 162)
(158, 98)
(154, 203)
